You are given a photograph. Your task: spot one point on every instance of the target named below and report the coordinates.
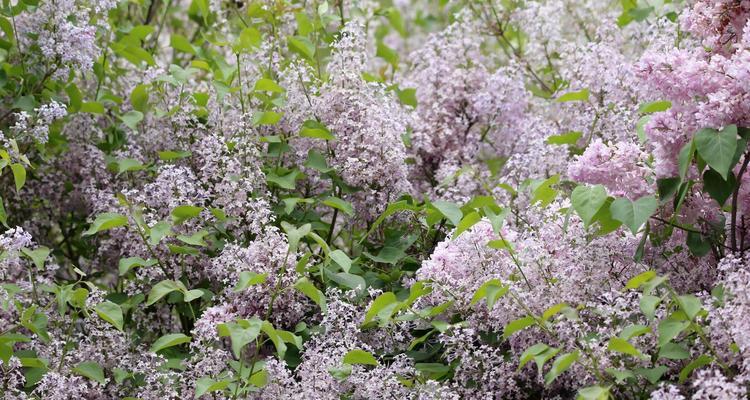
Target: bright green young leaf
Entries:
(106, 221)
(19, 175)
(162, 289)
(518, 325)
(207, 385)
(670, 329)
(561, 364)
(309, 290)
(466, 223)
(249, 278)
(111, 313)
(90, 370)
(341, 259)
(619, 345)
(358, 356)
(717, 148)
(634, 213)
(449, 210)
(587, 200)
(38, 255)
(339, 204)
(581, 95)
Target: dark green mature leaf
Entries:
(716, 186)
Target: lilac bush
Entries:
(382, 199)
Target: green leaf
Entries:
(408, 97)
(716, 186)
(690, 305)
(699, 362)
(162, 289)
(19, 175)
(249, 278)
(670, 329)
(491, 291)
(382, 307)
(652, 374)
(667, 187)
(638, 280)
(92, 107)
(111, 313)
(241, 333)
(648, 304)
(543, 192)
(181, 43)
(387, 54)
(530, 353)
(466, 223)
(161, 229)
(698, 244)
(38, 256)
(623, 346)
(673, 351)
(139, 98)
(654, 107)
(181, 214)
(249, 39)
(3, 213)
(191, 295)
(314, 129)
(581, 95)
(634, 213)
(358, 356)
(593, 393)
(339, 204)
(569, 138)
(717, 148)
(302, 46)
(286, 181)
(634, 330)
(266, 118)
(267, 85)
(341, 259)
(105, 222)
(309, 290)
(132, 118)
(169, 340)
(273, 334)
(587, 200)
(449, 210)
(518, 325)
(195, 239)
(685, 158)
(171, 155)
(561, 364)
(207, 385)
(90, 370)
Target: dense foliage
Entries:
(394, 199)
